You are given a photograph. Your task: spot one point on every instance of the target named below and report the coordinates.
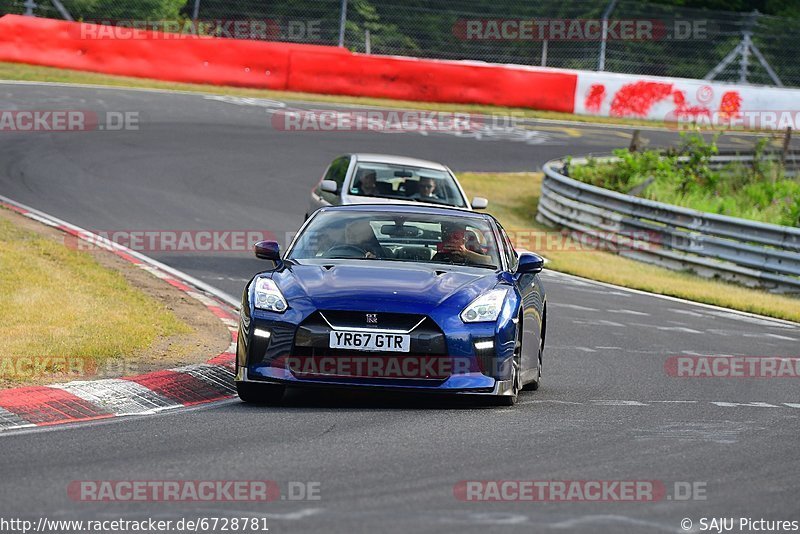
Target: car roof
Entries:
(426, 209)
(399, 160)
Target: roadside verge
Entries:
(142, 394)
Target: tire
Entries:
(505, 400)
(511, 400)
(533, 386)
(253, 393)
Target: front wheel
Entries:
(253, 393)
(516, 380)
(533, 386)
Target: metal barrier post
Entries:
(196, 12)
(601, 63)
(342, 22)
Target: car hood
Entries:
(383, 286)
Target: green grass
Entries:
(513, 199)
(56, 301)
(761, 193)
(23, 72)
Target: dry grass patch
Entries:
(104, 315)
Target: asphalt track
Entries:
(607, 409)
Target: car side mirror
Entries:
(329, 186)
(268, 250)
(479, 203)
(530, 263)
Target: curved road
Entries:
(607, 409)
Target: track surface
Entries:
(607, 409)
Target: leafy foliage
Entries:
(685, 177)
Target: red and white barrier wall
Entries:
(332, 70)
(680, 99)
(282, 66)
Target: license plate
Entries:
(372, 341)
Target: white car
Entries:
(380, 178)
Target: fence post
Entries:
(544, 53)
(787, 142)
(635, 142)
(196, 13)
(62, 10)
(342, 22)
(30, 5)
(601, 63)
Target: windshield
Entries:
(406, 237)
(406, 183)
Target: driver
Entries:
(360, 234)
(454, 243)
(368, 186)
(426, 188)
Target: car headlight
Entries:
(485, 308)
(268, 296)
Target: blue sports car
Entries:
(402, 297)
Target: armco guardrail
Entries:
(715, 246)
(789, 159)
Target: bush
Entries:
(684, 177)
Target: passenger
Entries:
(426, 188)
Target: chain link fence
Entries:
(624, 36)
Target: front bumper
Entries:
(470, 384)
(482, 372)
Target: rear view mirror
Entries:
(268, 250)
(329, 186)
(479, 203)
(530, 263)
(401, 231)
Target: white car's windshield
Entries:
(405, 183)
(408, 237)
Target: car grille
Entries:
(427, 344)
(386, 321)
